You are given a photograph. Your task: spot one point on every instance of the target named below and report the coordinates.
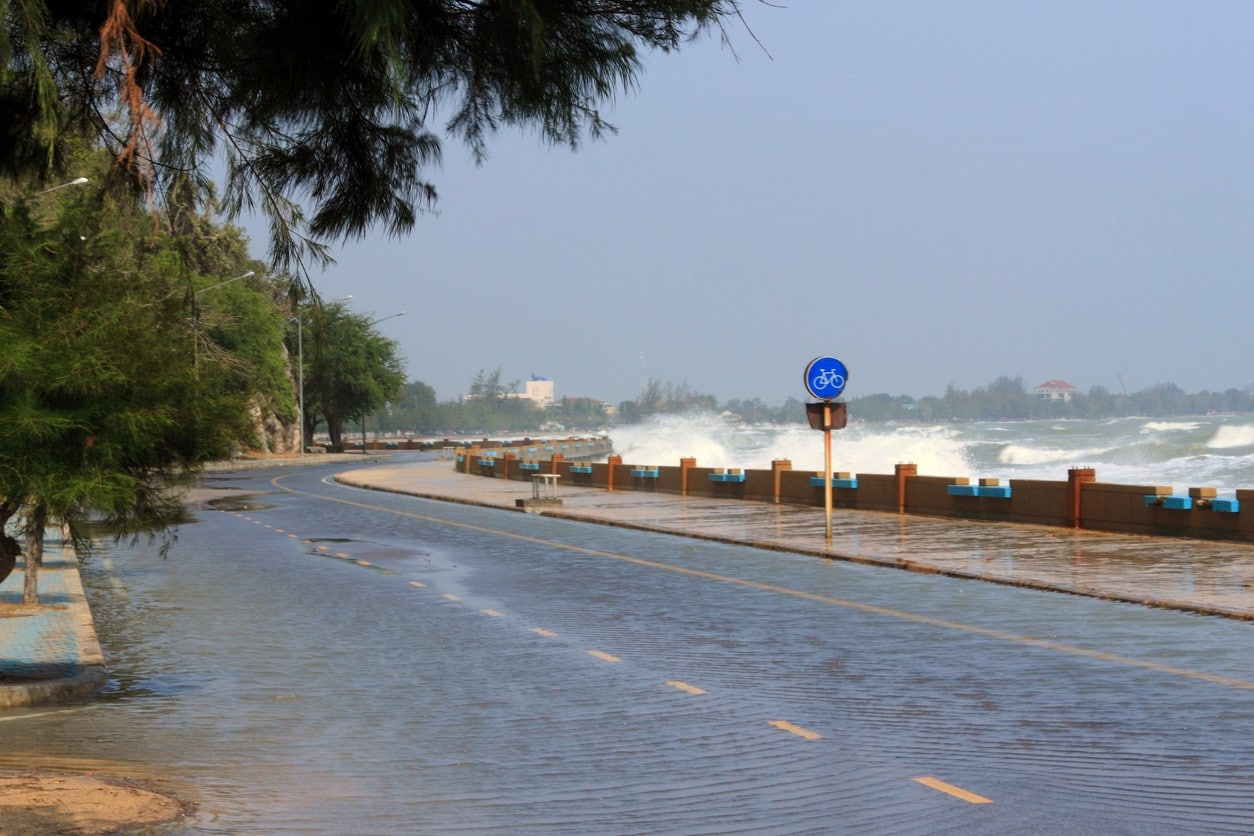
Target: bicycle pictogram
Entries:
(825, 377)
(829, 379)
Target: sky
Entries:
(936, 193)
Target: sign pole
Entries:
(825, 379)
(827, 471)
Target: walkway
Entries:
(48, 653)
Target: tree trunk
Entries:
(10, 548)
(34, 559)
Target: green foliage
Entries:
(341, 104)
(350, 369)
(121, 369)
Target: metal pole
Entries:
(827, 470)
(300, 361)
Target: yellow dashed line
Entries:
(323, 548)
(450, 596)
(416, 583)
(540, 631)
(493, 613)
(363, 562)
(280, 531)
(797, 730)
(604, 656)
(342, 554)
(956, 792)
(684, 686)
(917, 618)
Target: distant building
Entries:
(539, 391)
(1055, 390)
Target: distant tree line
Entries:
(1007, 399)
(490, 410)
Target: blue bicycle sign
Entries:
(826, 378)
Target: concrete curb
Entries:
(92, 674)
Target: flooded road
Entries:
(316, 658)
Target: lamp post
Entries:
(300, 373)
(363, 412)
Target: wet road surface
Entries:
(318, 658)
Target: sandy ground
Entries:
(40, 803)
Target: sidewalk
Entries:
(48, 653)
(1201, 576)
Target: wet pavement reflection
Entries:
(1186, 574)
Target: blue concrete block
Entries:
(1175, 503)
(529, 466)
(847, 484)
(581, 468)
(727, 477)
(994, 491)
(644, 474)
(1227, 506)
(962, 490)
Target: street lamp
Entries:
(196, 314)
(300, 372)
(77, 181)
(393, 316)
(363, 412)
(247, 275)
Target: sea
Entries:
(1208, 451)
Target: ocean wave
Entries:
(1017, 454)
(1230, 437)
(1169, 426)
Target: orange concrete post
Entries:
(614, 461)
(778, 467)
(1076, 478)
(904, 472)
(684, 466)
(553, 461)
(509, 457)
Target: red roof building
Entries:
(1055, 390)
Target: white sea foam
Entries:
(1202, 452)
(1169, 426)
(1018, 454)
(1231, 437)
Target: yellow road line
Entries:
(604, 656)
(416, 583)
(493, 613)
(797, 730)
(1029, 641)
(540, 631)
(956, 792)
(450, 596)
(363, 563)
(684, 686)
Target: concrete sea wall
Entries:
(1079, 501)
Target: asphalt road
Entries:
(328, 659)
